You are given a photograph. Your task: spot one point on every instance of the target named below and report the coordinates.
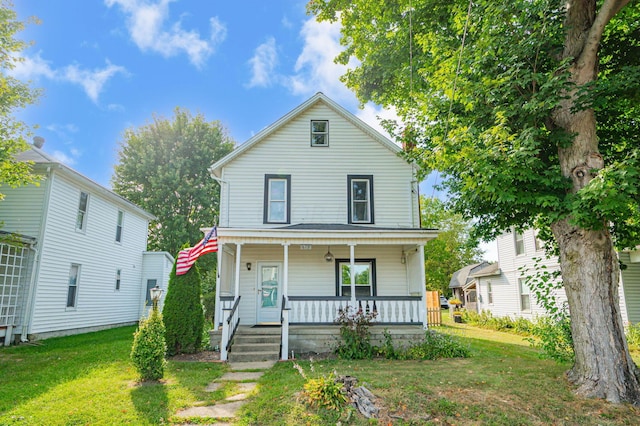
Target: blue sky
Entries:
(108, 65)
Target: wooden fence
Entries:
(433, 308)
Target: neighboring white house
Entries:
(318, 211)
(73, 255)
(500, 288)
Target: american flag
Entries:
(187, 257)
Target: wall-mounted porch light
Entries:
(248, 266)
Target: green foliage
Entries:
(323, 391)
(388, 350)
(14, 94)
(485, 319)
(355, 337)
(208, 288)
(147, 352)
(633, 336)
(454, 247)
(182, 312)
(553, 337)
(436, 346)
(164, 168)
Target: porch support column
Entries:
(218, 310)
(285, 273)
(352, 268)
(236, 291)
(423, 309)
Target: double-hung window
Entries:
(319, 132)
(360, 196)
(525, 295)
(119, 226)
(81, 219)
(72, 291)
(118, 278)
(489, 293)
(277, 198)
(364, 277)
(519, 242)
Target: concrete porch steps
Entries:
(255, 344)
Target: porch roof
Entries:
(326, 234)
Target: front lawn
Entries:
(89, 379)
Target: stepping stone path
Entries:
(228, 408)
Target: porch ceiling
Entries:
(326, 234)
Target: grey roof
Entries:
(39, 157)
(463, 275)
(489, 270)
(346, 227)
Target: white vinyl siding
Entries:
(630, 290)
(22, 210)
(97, 302)
(318, 176)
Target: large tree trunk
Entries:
(603, 367)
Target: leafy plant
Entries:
(436, 346)
(323, 391)
(633, 336)
(387, 350)
(355, 337)
(553, 337)
(149, 347)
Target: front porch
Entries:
(305, 275)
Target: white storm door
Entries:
(269, 292)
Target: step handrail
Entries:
(229, 327)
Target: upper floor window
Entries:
(81, 220)
(519, 242)
(277, 197)
(360, 199)
(119, 226)
(364, 277)
(525, 295)
(539, 243)
(72, 290)
(319, 132)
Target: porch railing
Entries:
(231, 320)
(323, 310)
(226, 302)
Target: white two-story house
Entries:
(318, 212)
(502, 288)
(72, 255)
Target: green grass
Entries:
(89, 379)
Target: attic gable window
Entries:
(277, 198)
(319, 132)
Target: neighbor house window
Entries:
(319, 133)
(118, 276)
(519, 242)
(119, 226)
(81, 220)
(489, 293)
(150, 284)
(277, 197)
(360, 199)
(365, 277)
(525, 295)
(72, 292)
(539, 243)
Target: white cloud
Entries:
(63, 158)
(146, 25)
(372, 114)
(92, 81)
(263, 64)
(62, 130)
(315, 69)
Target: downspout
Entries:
(35, 273)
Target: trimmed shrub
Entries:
(182, 313)
(436, 346)
(147, 352)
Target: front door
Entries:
(269, 292)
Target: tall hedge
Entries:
(182, 313)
